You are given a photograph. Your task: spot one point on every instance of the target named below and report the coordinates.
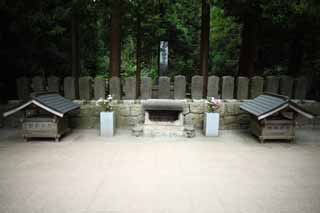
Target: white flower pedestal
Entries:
(107, 124)
(211, 124)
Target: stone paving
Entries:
(231, 173)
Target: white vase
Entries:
(107, 124)
(211, 124)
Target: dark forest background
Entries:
(121, 38)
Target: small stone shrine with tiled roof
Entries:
(273, 116)
(45, 115)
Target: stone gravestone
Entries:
(115, 88)
(179, 87)
(69, 85)
(23, 88)
(129, 88)
(227, 87)
(38, 84)
(272, 84)
(99, 88)
(85, 88)
(164, 56)
(213, 86)
(300, 88)
(242, 88)
(164, 87)
(286, 85)
(197, 87)
(256, 86)
(146, 88)
(54, 84)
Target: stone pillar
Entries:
(164, 87)
(99, 88)
(286, 85)
(54, 84)
(197, 87)
(115, 88)
(85, 88)
(23, 88)
(227, 87)
(272, 84)
(213, 86)
(179, 87)
(300, 88)
(242, 88)
(38, 84)
(146, 88)
(256, 86)
(129, 88)
(69, 85)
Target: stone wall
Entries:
(225, 87)
(130, 112)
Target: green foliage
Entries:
(224, 43)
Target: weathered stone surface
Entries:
(137, 130)
(272, 84)
(122, 109)
(129, 88)
(286, 86)
(256, 86)
(136, 110)
(99, 88)
(38, 84)
(54, 84)
(179, 87)
(229, 122)
(164, 87)
(130, 114)
(115, 88)
(300, 88)
(213, 86)
(194, 119)
(85, 122)
(69, 84)
(146, 88)
(197, 107)
(232, 108)
(85, 88)
(128, 121)
(227, 87)
(197, 87)
(23, 88)
(242, 88)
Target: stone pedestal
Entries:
(107, 124)
(211, 124)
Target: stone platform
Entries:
(232, 173)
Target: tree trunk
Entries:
(75, 49)
(296, 54)
(248, 47)
(204, 43)
(138, 55)
(115, 39)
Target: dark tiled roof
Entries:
(267, 104)
(51, 102)
(56, 102)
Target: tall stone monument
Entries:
(164, 54)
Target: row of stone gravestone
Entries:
(226, 87)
